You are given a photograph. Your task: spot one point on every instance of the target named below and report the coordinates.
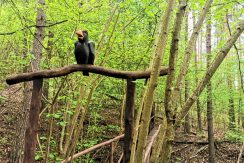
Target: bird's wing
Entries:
(91, 52)
(76, 43)
(91, 47)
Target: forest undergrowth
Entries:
(191, 147)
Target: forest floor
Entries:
(190, 148)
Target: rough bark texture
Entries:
(198, 107)
(199, 117)
(210, 72)
(169, 102)
(33, 123)
(192, 43)
(173, 57)
(211, 156)
(232, 118)
(148, 100)
(17, 154)
(90, 68)
(188, 52)
(129, 119)
(136, 129)
(187, 127)
(22, 118)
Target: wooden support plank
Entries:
(111, 159)
(33, 123)
(129, 119)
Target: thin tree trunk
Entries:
(210, 72)
(47, 60)
(188, 52)
(17, 154)
(191, 44)
(198, 107)
(136, 129)
(187, 128)
(22, 118)
(160, 44)
(211, 156)
(168, 102)
(232, 123)
(187, 118)
(129, 119)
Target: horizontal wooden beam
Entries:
(93, 148)
(74, 68)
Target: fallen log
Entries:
(201, 142)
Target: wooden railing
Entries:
(37, 78)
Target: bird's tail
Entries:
(85, 73)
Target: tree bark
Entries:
(17, 155)
(198, 107)
(187, 128)
(211, 156)
(210, 72)
(192, 43)
(232, 122)
(188, 52)
(33, 123)
(160, 44)
(129, 119)
(90, 68)
(167, 129)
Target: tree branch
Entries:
(237, 53)
(90, 68)
(27, 27)
(93, 148)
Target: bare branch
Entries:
(27, 27)
(93, 148)
(90, 68)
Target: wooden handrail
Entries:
(74, 68)
(93, 148)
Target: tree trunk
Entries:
(198, 107)
(48, 58)
(211, 148)
(188, 53)
(17, 154)
(22, 117)
(187, 127)
(210, 72)
(232, 122)
(160, 44)
(129, 119)
(187, 118)
(168, 102)
(191, 44)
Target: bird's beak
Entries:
(79, 34)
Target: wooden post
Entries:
(33, 124)
(129, 119)
(111, 160)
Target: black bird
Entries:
(84, 50)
